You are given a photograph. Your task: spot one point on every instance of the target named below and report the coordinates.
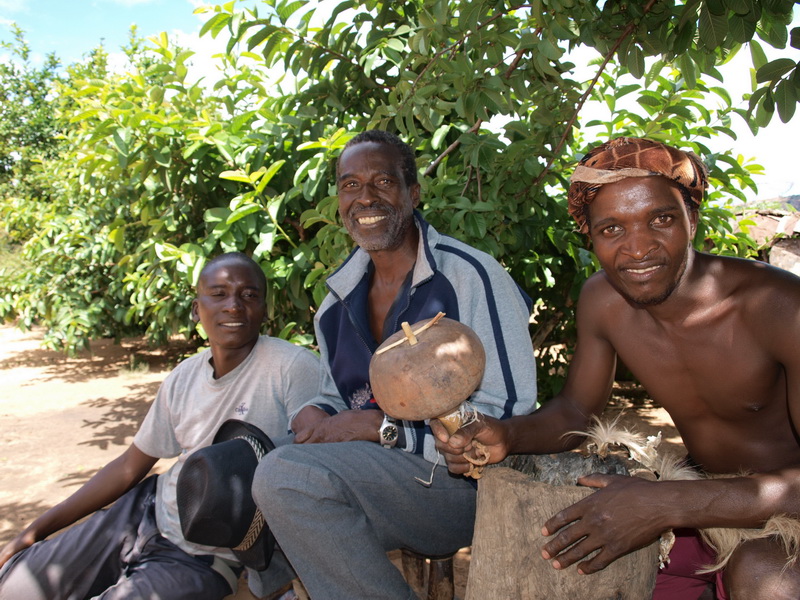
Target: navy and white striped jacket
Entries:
(449, 276)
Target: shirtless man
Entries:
(713, 339)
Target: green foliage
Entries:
(28, 131)
(157, 173)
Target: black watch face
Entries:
(389, 433)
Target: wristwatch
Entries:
(388, 432)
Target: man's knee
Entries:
(280, 476)
(267, 480)
(19, 580)
(758, 570)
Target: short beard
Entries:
(399, 224)
(656, 300)
(652, 301)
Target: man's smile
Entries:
(641, 270)
(369, 220)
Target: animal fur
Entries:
(602, 436)
(724, 540)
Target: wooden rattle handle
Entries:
(453, 422)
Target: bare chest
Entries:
(724, 391)
(380, 301)
(721, 366)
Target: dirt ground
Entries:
(62, 419)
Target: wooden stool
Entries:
(439, 571)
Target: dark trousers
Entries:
(117, 553)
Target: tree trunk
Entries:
(506, 549)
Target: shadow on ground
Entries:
(120, 417)
(105, 358)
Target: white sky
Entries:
(71, 29)
(774, 147)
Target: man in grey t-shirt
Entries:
(134, 548)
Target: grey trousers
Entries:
(117, 553)
(336, 509)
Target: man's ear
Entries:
(195, 313)
(694, 215)
(415, 195)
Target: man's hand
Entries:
(305, 422)
(313, 425)
(623, 515)
(486, 430)
(23, 540)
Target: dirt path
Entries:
(62, 419)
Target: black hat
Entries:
(215, 505)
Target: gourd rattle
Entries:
(427, 371)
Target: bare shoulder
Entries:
(599, 303)
(759, 285)
(767, 299)
(597, 292)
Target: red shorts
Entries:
(679, 580)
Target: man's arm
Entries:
(494, 307)
(326, 417)
(585, 393)
(108, 484)
(627, 513)
(309, 421)
(313, 425)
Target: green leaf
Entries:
(713, 28)
(269, 174)
(765, 110)
(163, 157)
(649, 100)
(287, 9)
(635, 61)
(775, 69)
(755, 98)
(120, 143)
(757, 54)
(216, 215)
(236, 176)
(550, 50)
(786, 100)
(266, 31)
(684, 36)
(740, 7)
(241, 212)
(438, 136)
(624, 90)
(395, 44)
(688, 70)
(214, 24)
(777, 34)
(312, 217)
(741, 30)
(117, 237)
(286, 331)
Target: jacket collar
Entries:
(342, 281)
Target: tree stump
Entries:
(515, 498)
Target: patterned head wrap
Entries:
(623, 157)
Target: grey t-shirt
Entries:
(274, 380)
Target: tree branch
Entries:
(452, 147)
(432, 167)
(628, 30)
